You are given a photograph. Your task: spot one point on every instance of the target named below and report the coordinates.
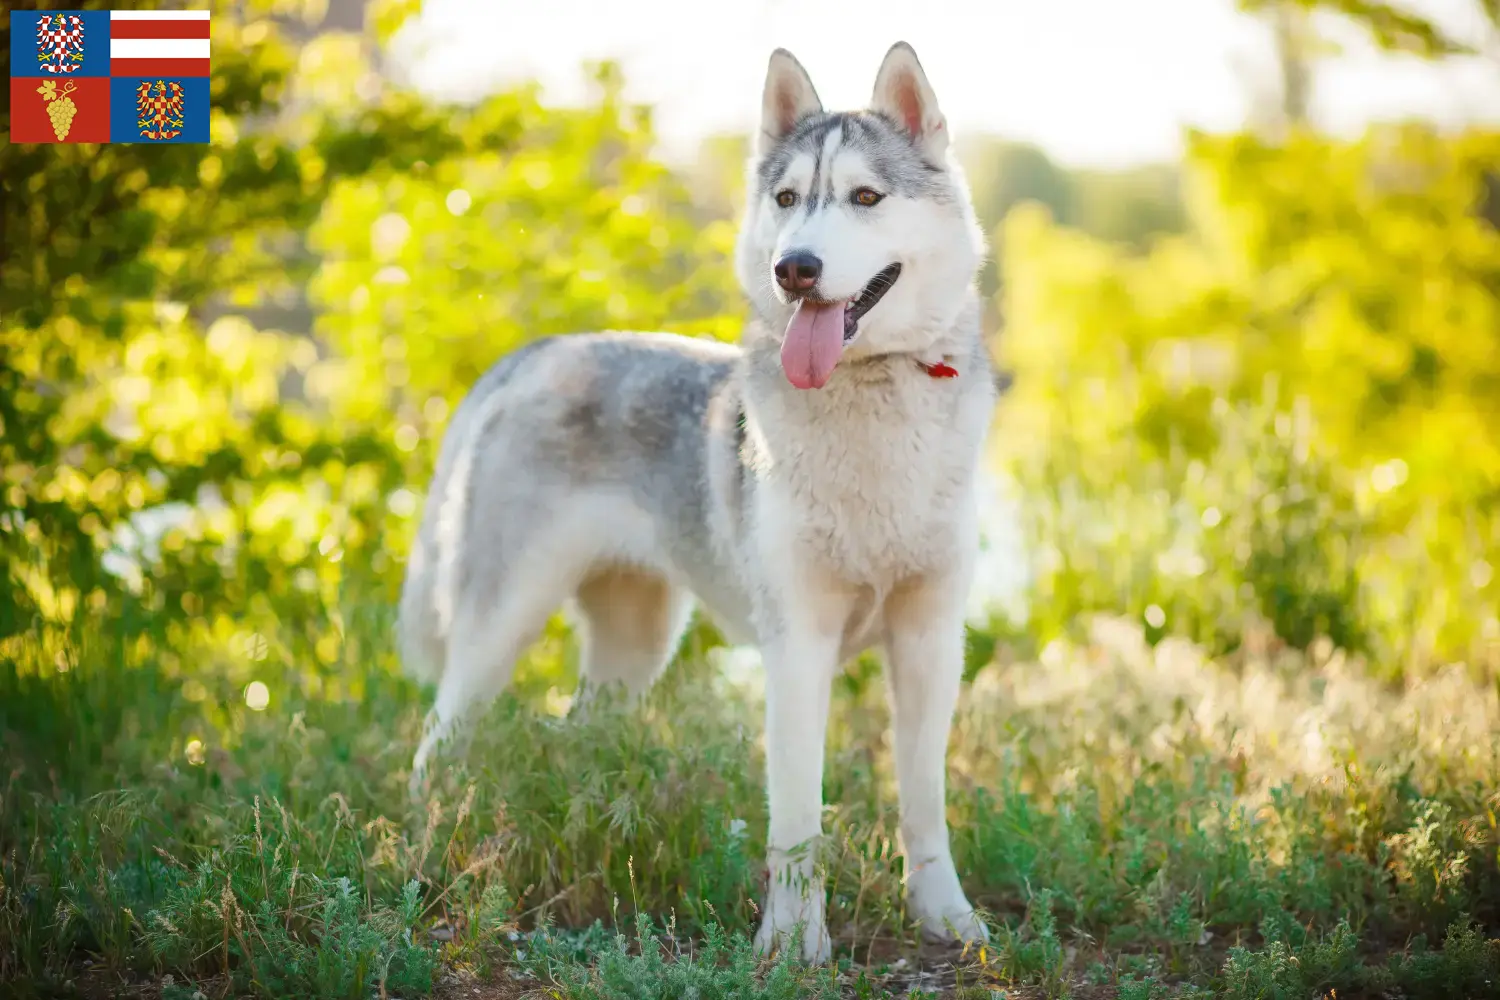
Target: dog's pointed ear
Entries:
(903, 94)
(789, 97)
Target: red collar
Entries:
(939, 369)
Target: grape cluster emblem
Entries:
(60, 107)
(59, 42)
(158, 109)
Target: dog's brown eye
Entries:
(786, 199)
(867, 197)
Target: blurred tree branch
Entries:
(1390, 26)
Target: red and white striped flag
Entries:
(154, 42)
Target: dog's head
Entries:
(859, 234)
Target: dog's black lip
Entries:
(874, 291)
(866, 299)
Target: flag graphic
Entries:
(109, 76)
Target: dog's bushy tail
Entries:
(434, 578)
(430, 589)
(419, 634)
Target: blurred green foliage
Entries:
(1291, 413)
(1129, 206)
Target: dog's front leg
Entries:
(925, 654)
(800, 658)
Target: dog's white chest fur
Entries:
(872, 477)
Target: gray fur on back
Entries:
(624, 412)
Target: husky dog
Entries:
(813, 487)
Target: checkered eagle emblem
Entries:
(59, 42)
(159, 110)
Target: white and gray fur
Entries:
(639, 474)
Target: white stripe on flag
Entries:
(158, 48)
(158, 15)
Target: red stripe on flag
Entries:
(158, 29)
(158, 67)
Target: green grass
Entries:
(1137, 822)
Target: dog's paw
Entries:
(937, 902)
(794, 921)
(958, 926)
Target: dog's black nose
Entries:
(798, 272)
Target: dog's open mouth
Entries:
(819, 331)
(865, 300)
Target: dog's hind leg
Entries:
(632, 621)
(484, 641)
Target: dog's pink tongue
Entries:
(814, 341)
